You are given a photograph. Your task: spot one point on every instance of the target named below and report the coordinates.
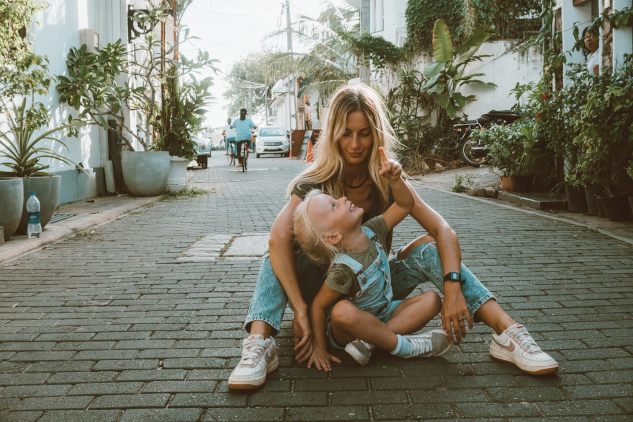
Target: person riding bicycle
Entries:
(229, 135)
(242, 127)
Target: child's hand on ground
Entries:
(321, 359)
(391, 169)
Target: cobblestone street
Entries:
(142, 321)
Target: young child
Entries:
(358, 282)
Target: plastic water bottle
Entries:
(34, 228)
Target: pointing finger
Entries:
(383, 154)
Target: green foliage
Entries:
(91, 87)
(511, 19)
(22, 72)
(21, 152)
(181, 115)
(446, 76)
(248, 68)
(375, 51)
(421, 16)
(462, 183)
(513, 149)
(604, 127)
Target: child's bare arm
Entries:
(318, 319)
(392, 171)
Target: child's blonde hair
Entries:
(310, 239)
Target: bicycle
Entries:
(230, 158)
(242, 154)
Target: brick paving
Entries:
(114, 327)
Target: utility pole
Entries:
(292, 100)
(364, 29)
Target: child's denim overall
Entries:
(375, 294)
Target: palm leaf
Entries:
(442, 42)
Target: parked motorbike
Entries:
(473, 152)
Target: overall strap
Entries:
(353, 265)
(370, 234)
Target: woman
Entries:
(347, 163)
(592, 50)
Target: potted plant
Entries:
(22, 153)
(181, 114)
(605, 140)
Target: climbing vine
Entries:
(421, 16)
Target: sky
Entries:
(229, 30)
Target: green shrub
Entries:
(421, 16)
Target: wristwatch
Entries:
(457, 277)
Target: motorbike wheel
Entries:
(466, 153)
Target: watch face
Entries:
(455, 276)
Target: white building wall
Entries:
(59, 30)
(505, 68)
(622, 37)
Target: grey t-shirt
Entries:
(340, 277)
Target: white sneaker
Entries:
(516, 345)
(360, 350)
(430, 344)
(259, 357)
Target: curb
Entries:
(60, 231)
(535, 212)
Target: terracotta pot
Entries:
(616, 207)
(576, 201)
(523, 184)
(507, 184)
(590, 195)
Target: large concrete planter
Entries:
(46, 190)
(177, 179)
(12, 200)
(145, 172)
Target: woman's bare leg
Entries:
(260, 327)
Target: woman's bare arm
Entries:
(454, 307)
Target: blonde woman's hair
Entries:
(329, 165)
(310, 239)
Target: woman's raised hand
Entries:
(391, 169)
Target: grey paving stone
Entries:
(416, 411)
(19, 416)
(54, 403)
(34, 390)
(582, 407)
(526, 394)
(79, 377)
(130, 401)
(7, 403)
(180, 387)
(22, 379)
(497, 409)
(102, 388)
(81, 415)
(430, 397)
(158, 374)
(208, 400)
(369, 397)
(331, 384)
(161, 415)
(346, 413)
(289, 399)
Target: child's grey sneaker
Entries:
(430, 344)
(360, 350)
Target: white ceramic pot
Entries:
(145, 172)
(177, 179)
(46, 190)
(11, 203)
